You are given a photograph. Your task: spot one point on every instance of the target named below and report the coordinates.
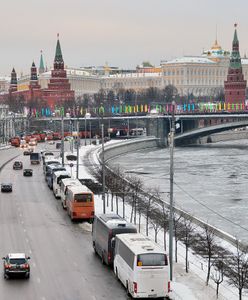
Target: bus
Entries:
(142, 266)
(49, 173)
(104, 229)
(57, 177)
(80, 203)
(63, 188)
(50, 161)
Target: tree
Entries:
(237, 269)
(169, 92)
(218, 274)
(187, 237)
(207, 247)
(177, 229)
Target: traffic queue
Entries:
(138, 263)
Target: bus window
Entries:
(154, 259)
(83, 198)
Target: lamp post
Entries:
(103, 172)
(86, 116)
(78, 142)
(62, 141)
(172, 131)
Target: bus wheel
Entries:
(127, 289)
(116, 274)
(102, 259)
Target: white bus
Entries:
(57, 177)
(65, 183)
(142, 266)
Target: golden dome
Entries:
(216, 46)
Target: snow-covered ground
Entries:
(186, 286)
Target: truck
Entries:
(15, 141)
(35, 158)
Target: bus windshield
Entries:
(83, 198)
(153, 259)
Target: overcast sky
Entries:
(121, 32)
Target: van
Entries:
(142, 266)
(104, 229)
(65, 183)
(57, 177)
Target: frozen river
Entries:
(211, 181)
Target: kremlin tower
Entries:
(13, 82)
(59, 89)
(58, 92)
(235, 85)
(41, 68)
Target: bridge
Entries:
(189, 127)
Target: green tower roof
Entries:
(41, 62)
(235, 59)
(58, 53)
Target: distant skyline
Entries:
(123, 33)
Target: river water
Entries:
(211, 181)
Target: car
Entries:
(27, 152)
(17, 165)
(6, 187)
(27, 172)
(16, 264)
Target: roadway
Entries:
(63, 264)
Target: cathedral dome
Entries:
(216, 52)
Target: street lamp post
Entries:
(87, 116)
(172, 131)
(62, 141)
(78, 142)
(103, 172)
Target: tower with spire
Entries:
(41, 67)
(13, 82)
(34, 87)
(59, 89)
(235, 85)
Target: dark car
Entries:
(27, 152)
(16, 264)
(27, 172)
(17, 165)
(6, 187)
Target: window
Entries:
(153, 259)
(126, 254)
(17, 261)
(83, 198)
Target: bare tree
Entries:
(237, 269)
(186, 234)
(206, 246)
(218, 274)
(156, 222)
(177, 228)
(148, 208)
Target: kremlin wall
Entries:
(206, 75)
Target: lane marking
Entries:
(24, 230)
(34, 264)
(38, 279)
(27, 240)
